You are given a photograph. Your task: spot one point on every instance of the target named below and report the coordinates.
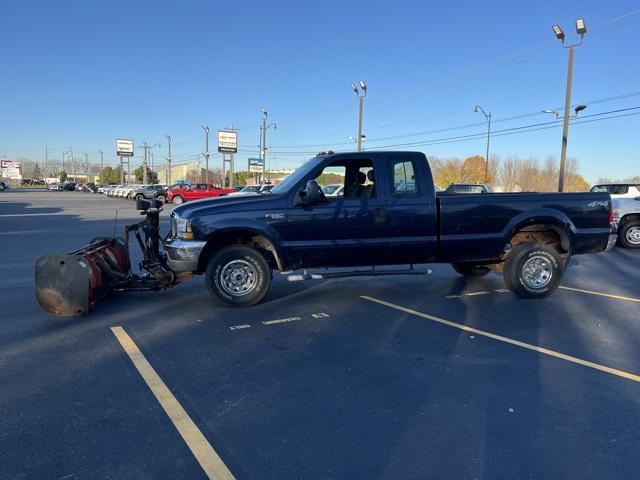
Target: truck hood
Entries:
(228, 203)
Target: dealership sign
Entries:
(124, 148)
(9, 169)
(227, 141)
(256, 164)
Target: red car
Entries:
(196, 191)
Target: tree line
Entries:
(512, 174)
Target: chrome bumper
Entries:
(613, 238)
(182, 255)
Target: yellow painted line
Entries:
(206, 456)
(535, 348)
(609, 295)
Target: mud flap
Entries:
(63, 285)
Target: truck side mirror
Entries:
(300, 199)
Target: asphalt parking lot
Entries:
(390, 377)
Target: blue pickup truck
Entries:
(388, 214)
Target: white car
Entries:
(618, 190)
(333, 190)
(253, 190)
(626, 216)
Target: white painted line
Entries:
(320, 315)
(239, 327)
(281, 320)
(30, 214)
(600, 294)
(206, 456)
(518, 343)
(502, 290)
(454, 296)
(473, 294)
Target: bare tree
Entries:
(509, 174)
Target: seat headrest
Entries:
(371, 176)
(360, 178)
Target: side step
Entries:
(355, 273)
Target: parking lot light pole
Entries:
(168, 176)
(581, 29)
(263, 141)
(205, 127)
(487, 116)
(360, 95)
(101, 166)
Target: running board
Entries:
(355, 273)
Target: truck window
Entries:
(404, 178)
(349, 179)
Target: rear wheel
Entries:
(470, 270)
(138, 197)
(238, 276)
(161, 198)
(178, 200)
(533, 270)
(629, 234)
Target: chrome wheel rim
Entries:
(537, 272)
(238, 278)
(633, 235)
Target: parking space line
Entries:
(206, 456)
(518, 343)
(281, 320)
(609, 295)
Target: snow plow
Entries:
(71, 284)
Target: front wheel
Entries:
(629, 234)
(161, 198)
(470, 270)
(533, 270)
(238, 276)
(178, 200)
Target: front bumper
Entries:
(183, 255)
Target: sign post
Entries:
(228, 147)
(124, 148)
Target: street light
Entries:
(263, 140)
(487, 116)
(360, 95)
(576, 110)
(205, 127)
(581, 29)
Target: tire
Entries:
(161, 198)
(178, 200)
(470, 270)
(247, 262)
(533, 270)
(138, 197)
(629, 234)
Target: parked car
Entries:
(69, 186)
(391, 218)
(253, 190)
(618, 190)
(626, 216)
(459, 188)
(150, 192)
(333, 190)
(4, 186)
(90, 187)
(196, 191)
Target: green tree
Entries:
(152, 177)
(62, 176)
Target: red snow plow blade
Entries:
(70, 285)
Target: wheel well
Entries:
(547, 234)
(240, 237)
(628, 218)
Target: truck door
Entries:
(350, 228)
(411, 209)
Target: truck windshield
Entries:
(286, 184)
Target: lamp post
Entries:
(360, 95)
(101, 167)
(168, 176)
(581, 29)
(487, 116)
(263, 141)
(205, 127)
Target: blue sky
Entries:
(82, 74)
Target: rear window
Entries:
(404, 178)
(613, 189)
